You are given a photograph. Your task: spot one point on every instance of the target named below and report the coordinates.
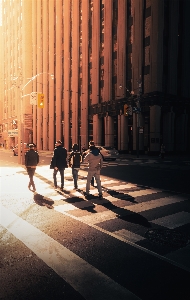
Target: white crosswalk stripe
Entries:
(91, 283)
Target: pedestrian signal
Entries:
(125, 110)
(41, 100)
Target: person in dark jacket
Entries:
(59, 163)
(31, 161)
(75, 159)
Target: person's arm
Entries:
(38, 158)
(26, 159)
(69, 159)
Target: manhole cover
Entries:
(168, 237)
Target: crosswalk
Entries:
(150, 220)
(126, 211)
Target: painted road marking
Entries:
(144, 206)
(83, 277)
(173, 221)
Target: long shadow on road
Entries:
(168, 179)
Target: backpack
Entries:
(75, 159)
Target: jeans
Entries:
(61, 171)
(31, 172)
(75, 176)
(96, 174)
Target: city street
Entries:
(132, 244)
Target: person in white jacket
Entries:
(95, 162)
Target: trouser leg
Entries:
(55, 177)
(89, 177)
(75, 176)
(97, 177)
(92, 181)
(31, 172)
(61, 171)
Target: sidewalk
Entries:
(172, 157)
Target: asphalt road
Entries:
(132, 244)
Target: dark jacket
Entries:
(31, 158)
(75, 159)
(59, 158)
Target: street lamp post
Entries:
(21, 131)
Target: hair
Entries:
(91, 143)
(75, 147)
(59, 142)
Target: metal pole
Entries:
(21, 124)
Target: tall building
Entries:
(16, 68)
(115, 71)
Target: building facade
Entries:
(90, 58)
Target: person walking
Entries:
(59, 163)
(95, 162)
(31, 161)
(75, 159)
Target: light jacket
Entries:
(94, 159)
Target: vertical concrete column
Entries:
(51, 102)
(75, 70)
(34, 66)
(84, 97)
(45, 74)
(108, 121)
(137, 50)
(168, 130)
(155, 114)
(97, 126)
(95, 51)
(58, 75)
(109, 131)
(122, 132)
(121, 48)
(156, 42)
(67, 21)
(173, 48)
(27, 67)
(97, 130)
(108, 14)
(39, 70)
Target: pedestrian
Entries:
(59, 163)
(162, 151)
(95, 162)
(31, 161)
(75, 158)
(92, 147)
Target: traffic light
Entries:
(125, 110)
(41, 100)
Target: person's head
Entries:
(31, 146)
(91, 143)
(75, 147)
(58, 143)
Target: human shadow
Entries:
(127, 215)
(121, 195)
(42, 201)
(79, 202)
